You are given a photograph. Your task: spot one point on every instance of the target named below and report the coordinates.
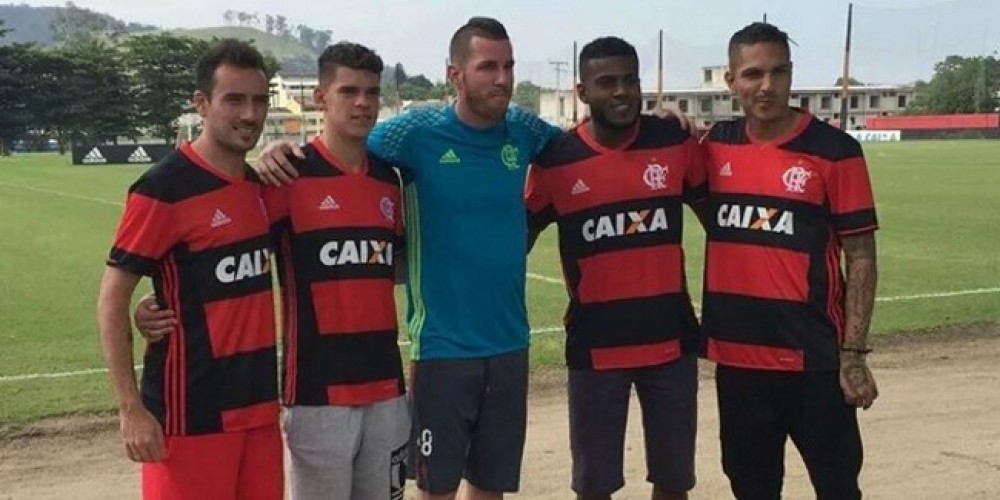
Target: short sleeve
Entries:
(538, 131)
(695, 177)
(146, 231)
(538, 199)
(276, 202)
(390, 141)
(849, 193)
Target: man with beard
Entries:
(614, 186)
(206, 423)
(789, 199)
(337, 233)
(464, 169)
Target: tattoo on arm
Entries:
(862, 276)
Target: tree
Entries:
(229, 15)
(73, 24)
(3, 29)
(15, 92)
(300, 64)
(527, 95)
(269, 24)
(322, 40)
(100, 91)
(162, 81)
(306, 35)
(961, 85)
(281, 26)
(272, 64)
(52, 99)
(850, 81)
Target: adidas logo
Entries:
(94, 156)
(220, 219)
(139, 156)
(329, 204)
(450, 158)
(726, 170)
(580, 187)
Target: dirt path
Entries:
(934, 434)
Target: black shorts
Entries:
(759, 410)
(598, 411)
(469, 419)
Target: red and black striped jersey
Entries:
(337, 232)
(774, 289)
(620, 219)
(203, 237)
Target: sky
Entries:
(894, 42)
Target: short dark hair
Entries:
(226, 52)
(609, 46)
(758, 32)
(483, 27)
(349, 55)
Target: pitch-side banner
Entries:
(137, 154)
(875, 135)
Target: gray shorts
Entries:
(598, 411)
(469, 418)
(348, 452)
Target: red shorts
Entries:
(245, 465)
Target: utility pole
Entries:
(846, 77)
(576, 58)
(560, 68)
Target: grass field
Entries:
(938, 204)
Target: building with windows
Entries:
(712, 101)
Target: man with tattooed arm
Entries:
(789, 199)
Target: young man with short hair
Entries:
(789, 198)
(205, 423)
(615, 187)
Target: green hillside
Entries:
(280, 48)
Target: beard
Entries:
(602, 119)
(485, 105)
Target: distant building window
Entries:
(562, 107)
(874, 102)
(825, 102)
(650, 104)
(671, 98)
(855, 102)
(708, 76)
(683, 105)
(736, 105)
(705, 104)
(901, 101)
(804, 103)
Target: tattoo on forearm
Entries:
(861, 282)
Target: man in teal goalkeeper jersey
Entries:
(464, 170)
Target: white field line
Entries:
(94, 371)
(539, 277)
(937, 295)
(64, 194)
(36, 376)
(534, 276)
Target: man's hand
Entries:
(142, 435)
(151, 321)
(856, 380)
(671, 111)
(274, 164)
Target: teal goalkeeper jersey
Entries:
(465, 227)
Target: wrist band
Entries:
(857, 350)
